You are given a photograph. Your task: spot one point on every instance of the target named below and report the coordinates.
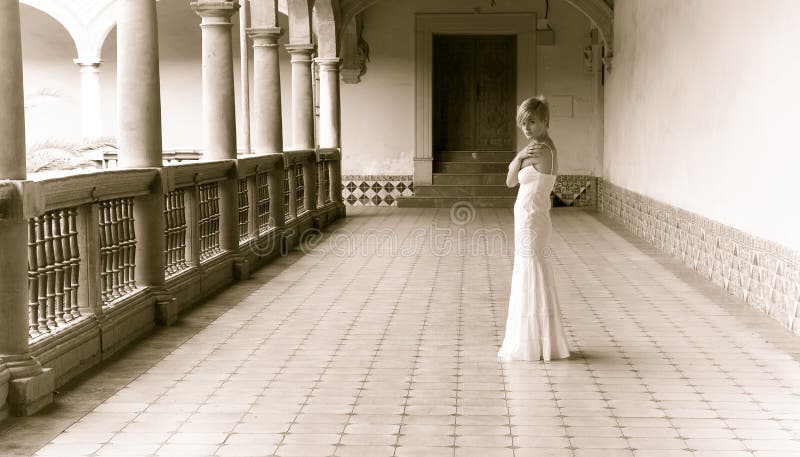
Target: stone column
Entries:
(267, 109)
(329, 106)
(302, 96)
(330, 121)
(244, 77)
(219, 116)
(139, 140)
(30, 387)
(267, 115)
(91, 120)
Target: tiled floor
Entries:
(380, 341)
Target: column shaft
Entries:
(302, 96)
(138, 85)
(267, 115)
(30, 387)
(329, 104)
(91, 117)
(139, 137)
(219, 116)
(12, 127)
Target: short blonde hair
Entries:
(535, 106)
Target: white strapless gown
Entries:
(533, 330)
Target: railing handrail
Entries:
(258, 163)
(186, 174)
(75, 189)
(328, 154)
(294, 156)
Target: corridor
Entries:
(380, 341)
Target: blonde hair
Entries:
(535, 106)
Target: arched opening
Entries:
(52, 82)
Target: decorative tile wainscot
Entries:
(375, 190)
(760, 272)
(383, 190)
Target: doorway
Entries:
(474, 92)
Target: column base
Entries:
(241, 268)
(27, 396)
(167, 307)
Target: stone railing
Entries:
(84, 301)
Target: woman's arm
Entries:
(513, 170)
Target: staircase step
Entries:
(475, 156)
(447, 202)
(470, 167)
(465, 179)
(464, 190)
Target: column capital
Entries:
(328, 63)
(216, 10)
(88, 65)
(265, 36)
(300, 52)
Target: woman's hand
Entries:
(531, 151)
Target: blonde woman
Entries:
(533, 330)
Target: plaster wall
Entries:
(701, 108)
(378, 113)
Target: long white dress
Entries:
(533, 330)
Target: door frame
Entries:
(523, 25)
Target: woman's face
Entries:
(534, 128)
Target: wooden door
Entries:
(474, 91)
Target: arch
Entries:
(87, 21)
(326, 27)
(62, 14)
(299, 12)
(598, 11)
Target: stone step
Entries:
(464, 190)
(470, 167)
(465, 179)
(447, 202)
(475, 156)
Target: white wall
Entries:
(702, 107)
(378, 113)
(51, 80)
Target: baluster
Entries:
(124, 246)
(168, 236)
(216, 215)
(131, 244)
(112, 263)
(50, 271)
(58, 267)
(41, 274)
(66, 262)
(201, 206)
(120, 250)
(33, 281)
(105, 264)
(76, 260)
(181, 198)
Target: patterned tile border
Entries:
(575, 190)
(762, 273)
(383, 190)
(376, 190)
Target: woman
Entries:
(533, 330)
